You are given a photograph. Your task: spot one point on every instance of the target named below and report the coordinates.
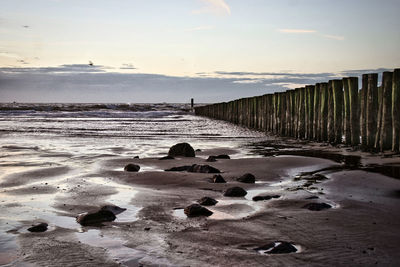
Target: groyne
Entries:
(336, 112)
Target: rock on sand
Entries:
(95, 218)
(132, 168)
(247, 178)
(235, 192)
(41, 227)
(196, 210)
(181, 150)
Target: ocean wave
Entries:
(63, 107)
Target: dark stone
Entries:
(259, 198)
(181, 150)
(166, 158)
(147, 228)
(207, 201)
(114, 209)
(96, 218)
(218, 179)
(178, 169)
(196, 210)
(235, 192)
(41, 227)
(317, 206)
(222, 157)
(198, 150)
(214, 158)
(247, 178)
(132, 168)
(136, 157)
(211, 159)
(278, 247)
(312, 197)
(203, 169)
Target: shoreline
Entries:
(360, 229)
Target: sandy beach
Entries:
(360, 228)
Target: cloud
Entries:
(200, 28)
(63, 69)
(334, 37)
(289, 74)
(296, 31)
(216, 7)
(305, 31)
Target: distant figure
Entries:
(90, 63)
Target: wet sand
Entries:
(361, 228)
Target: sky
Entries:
(173, 50)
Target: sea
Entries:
(145, 130)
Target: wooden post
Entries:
(287, 115)
(364, 94)
(372, 106)
(306, 106)
(396, 110)
(324, 111)
(296, 110)
(386, 126)
(331, 114)
(310, 114)
(283, 114)
(379, 114)
(316, 111)
(337, 89)
(354, 111)
(292, 113)
(347, 121)
(301, 113)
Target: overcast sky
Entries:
(170, 51)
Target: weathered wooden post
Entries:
(283, 114)
(347, 121)
(287, 113)
(379, 114)
(396, 110)
(354, 111)
(386, 128)
(301, 113)
(292, 112)
(276, 113)
(323, 122)
(337, 87)
(306, 115)
(364, 98)
(331, 114)
(311, 90)
(372, 107)
(316, 111)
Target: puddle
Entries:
(142, 169)
(298, 248)
(114, 246)
(217, 215)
